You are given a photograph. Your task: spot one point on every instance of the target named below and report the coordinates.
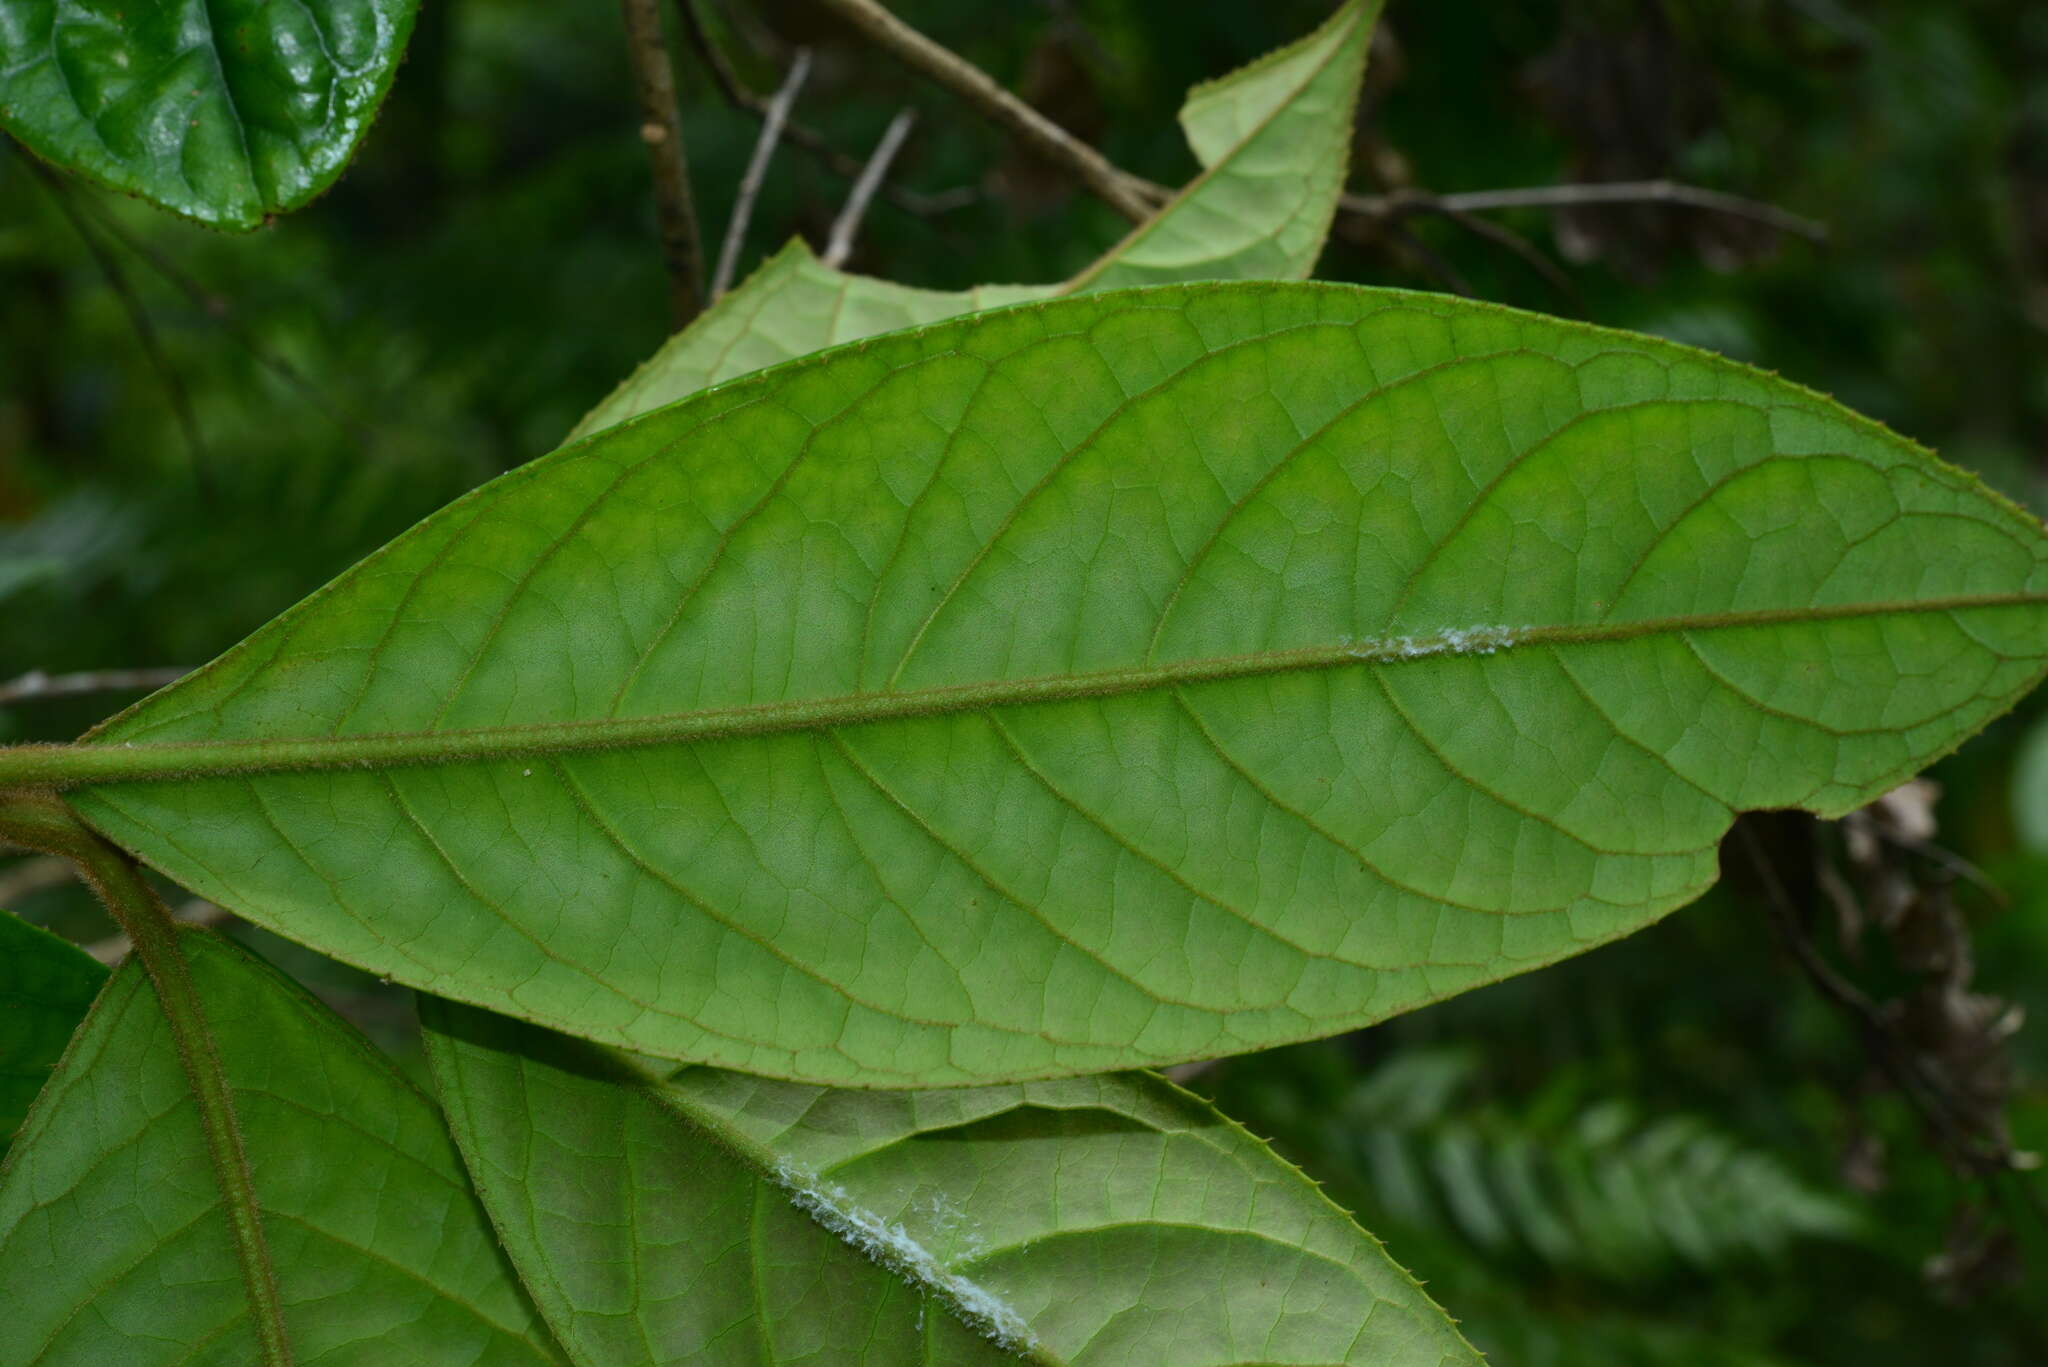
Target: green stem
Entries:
(69, 766)
(44, 823)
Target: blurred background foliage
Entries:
(1673, 1151)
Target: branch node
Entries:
(661, 129)
(1113, 186)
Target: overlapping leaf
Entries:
(225, 111)
(46, 984)
(717, 1219)
(794, 305)
(1274, 138)
(1103, 682)
(114, 1237)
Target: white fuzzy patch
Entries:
(1480, 640)
(891, 1245)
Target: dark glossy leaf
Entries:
(225, 111)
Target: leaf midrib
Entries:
(109, 761)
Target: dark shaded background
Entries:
(1670, 1151)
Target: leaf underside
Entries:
(1104, 682)
(225, 111)
(1274, 137)
(718, 1219)
(46, 984)
(114, 1243)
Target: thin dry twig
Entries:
(722, 74)
(1925, 1093)
(1513, 242)
(38, 684)
(1576, 196)
(797, 134)
(1137, 197)
(661, 128)
(138, 316)
(1952, 862)
(999, 106)
(757, 172)
(847, 226)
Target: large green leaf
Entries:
(713, 1218)
(1103, 682)
(46, 984)
(115, 1244)
(226, 111)
(1275, 138)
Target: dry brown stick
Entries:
(38, 684)
(661, 128)
(1146, 195)
(1925, 1094)
(799, 135)
(846, 227)
(722, 74)
(757, 172)
(1579, 195)
(1513, 242)
(1951, 862)
(996, 104)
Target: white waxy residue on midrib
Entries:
(888, 1243)
(1479, 640)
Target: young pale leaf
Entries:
(794, 305)
(225, 111)
(1103, 682)
(718, 1219)
(1275, 138)
(46, 984)
(114, 1237)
